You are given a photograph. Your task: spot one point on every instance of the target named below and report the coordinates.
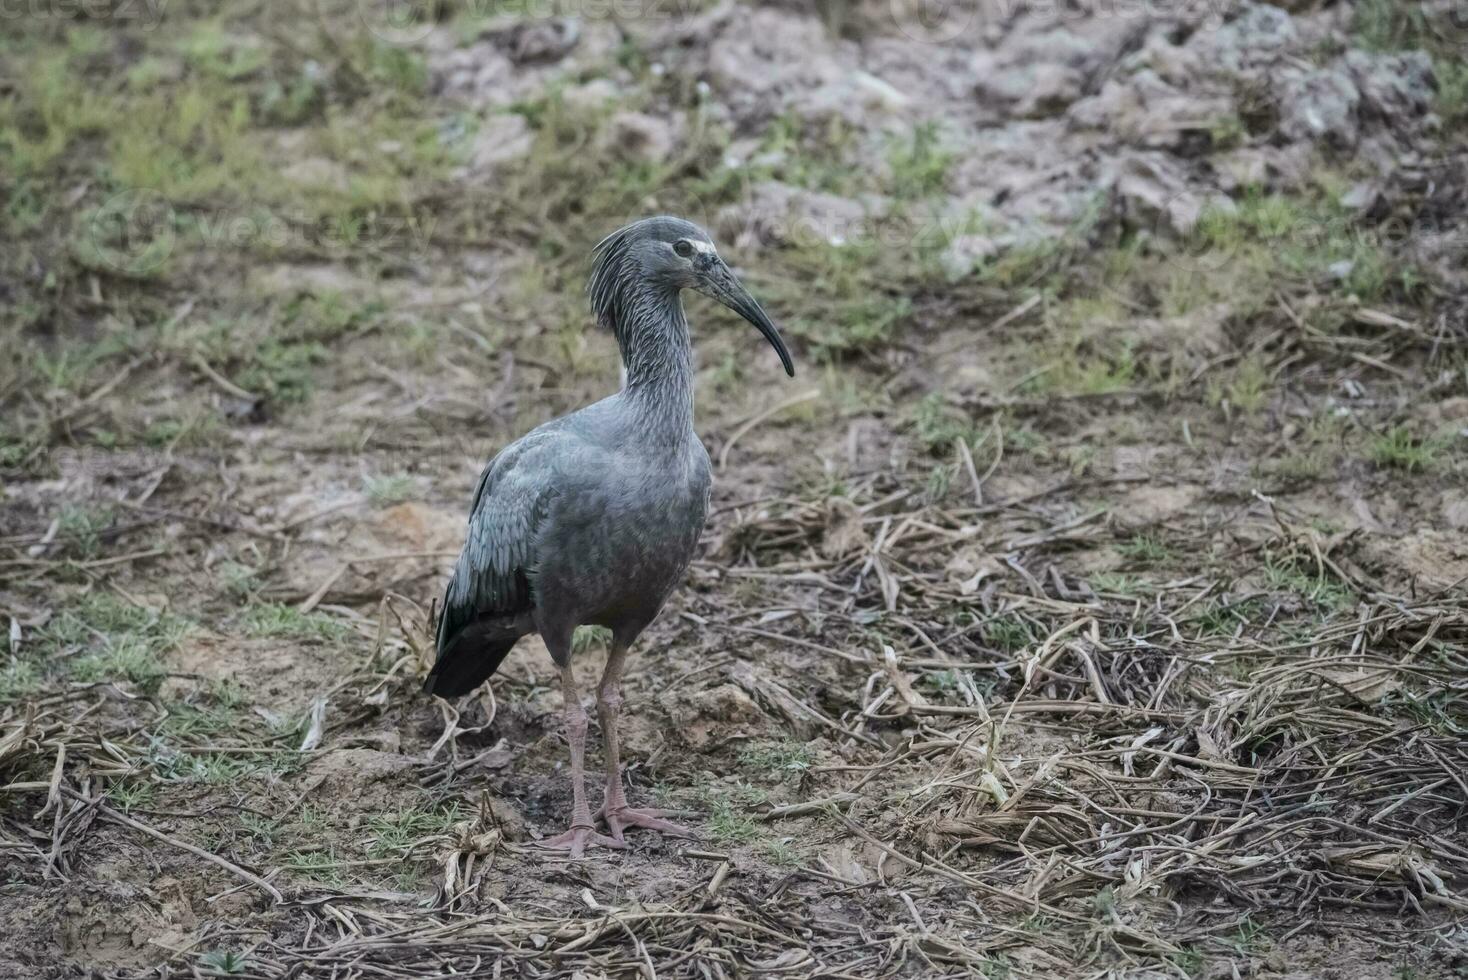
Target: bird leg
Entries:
(615, 811)
(583, 831)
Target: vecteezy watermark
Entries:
(135, 232)
(937, 21)
(1184, 222)
(406, 22)
(146, 14)
(398, 22)
(1448, 19)
(946, 21)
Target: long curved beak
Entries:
(718, 282)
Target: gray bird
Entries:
(592, 518)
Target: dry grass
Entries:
(1059, 801)
(1047, 628)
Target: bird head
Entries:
(676, 255)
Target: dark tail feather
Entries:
(469, 660)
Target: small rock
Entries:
(1246, 167)
(1144, 109)
(1249, 42)
(640, 136)
(1361, 197)
(481, 72)
(1281, 168)
(533, 41)
(317, 172)
(1395, 88)
(1341, 271)
(777, 213)
(1030, 90)
(1175, 63)
(965, 253)
(1051, 90)
(177, 689)
(511, 822)
(881, 92)
(1455, 509)
(1320, 106)
(1453, 408)
(698, 715)
(1154, 194)
(591, 95)
(501, 139)
(852, 97)
(416, 527)
(1198, 334)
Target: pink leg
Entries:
(583, 831)
(615, 811)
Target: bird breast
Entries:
(622, 542)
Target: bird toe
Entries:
(621, 818)
(575, 841)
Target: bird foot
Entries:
(578, 838)
(619, 818)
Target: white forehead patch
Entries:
(704, 247)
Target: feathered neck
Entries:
(651, 329)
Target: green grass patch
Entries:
(1007, 632)
(133, 793)
(939, 425)
(730, 826)
(1452, 90)
(237, 579)
(950, 684)
(80, 527)
(219, 713)
(825, 291)
(817, 158)
(52, 109)
(209, 768)
(226, 962)
(1117, 583)
(1387, 25)
(776, 758)
(388, 489)
(99, 638)
(1245, 388)
(323, 866)
(129, 658)
(1398, 448)
(1301, 577)
(919, 164)
(19, 679)
(281, 371)
(586, 638)
(1307, 236)
(782, 853)
(398, 834)
(276, 619)
(1440, 711)
(1223, 618)
(1147, 549)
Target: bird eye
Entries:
(683, 247)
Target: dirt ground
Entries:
(1094, 601)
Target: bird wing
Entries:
(494, 573)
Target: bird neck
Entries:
(652, 333)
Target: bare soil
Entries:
(1102, 615)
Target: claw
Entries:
(576, 840)
(618, 819)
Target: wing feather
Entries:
(495, 574)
